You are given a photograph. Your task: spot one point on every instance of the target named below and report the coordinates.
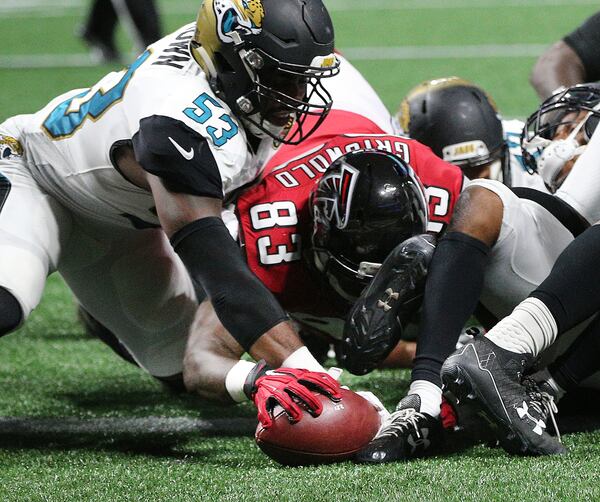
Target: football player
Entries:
(120, 187)
(501, 244)
(573, 60)
(314, 268)
(460, 122)
(564, 299)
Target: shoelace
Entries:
(542, 402)
(399, 421)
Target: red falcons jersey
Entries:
(275, 222)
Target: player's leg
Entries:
(99, 30)
(135, 287)
(454, 284)
(33, 229)
(567, 297)
(580, 361)
(142, 16)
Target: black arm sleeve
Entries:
(179, 155)
(585, 41)
(243, 304)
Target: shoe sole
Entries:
(457, 377)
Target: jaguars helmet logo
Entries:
(236, 14)
(10, 148)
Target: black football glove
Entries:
(374, 324)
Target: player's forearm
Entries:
(212, 353)
(558, 66)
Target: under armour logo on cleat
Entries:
(419, 440)
(391, 295)
(523, 412)
(484, 361)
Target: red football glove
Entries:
(287, 387)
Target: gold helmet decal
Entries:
(217, 19)
(403, 115)
(252, 10)
(235, 14)
(10, 148)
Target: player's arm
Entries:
(186, 185)
(213, 369)
(193, 224)
(573, 60)
(559, 66)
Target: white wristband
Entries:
(235, 379)
(303, 359)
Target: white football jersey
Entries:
(68, 143)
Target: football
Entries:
(342, 429)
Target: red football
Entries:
(343, 428)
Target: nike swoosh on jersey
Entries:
(187, 154)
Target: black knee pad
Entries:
(11, 313)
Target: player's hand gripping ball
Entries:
(305, 417)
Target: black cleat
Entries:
(486, 376)
(375, 322)
(406, 434)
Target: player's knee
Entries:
(478, 213)
(11, 313)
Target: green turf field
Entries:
(80, 424)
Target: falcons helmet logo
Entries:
(336, 207)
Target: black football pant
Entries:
(103, 17)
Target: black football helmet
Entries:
(366, 203)
(576, 108)
(459, 121)
(266, 60)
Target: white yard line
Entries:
(58, 8)
(125, 426)
(352, 53)
(371, 5)
(443, 52)
(46, 61)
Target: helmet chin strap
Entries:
(252, 127)
(201, 52)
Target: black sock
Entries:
(581, 360)
(572, 290)
(452, 290)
